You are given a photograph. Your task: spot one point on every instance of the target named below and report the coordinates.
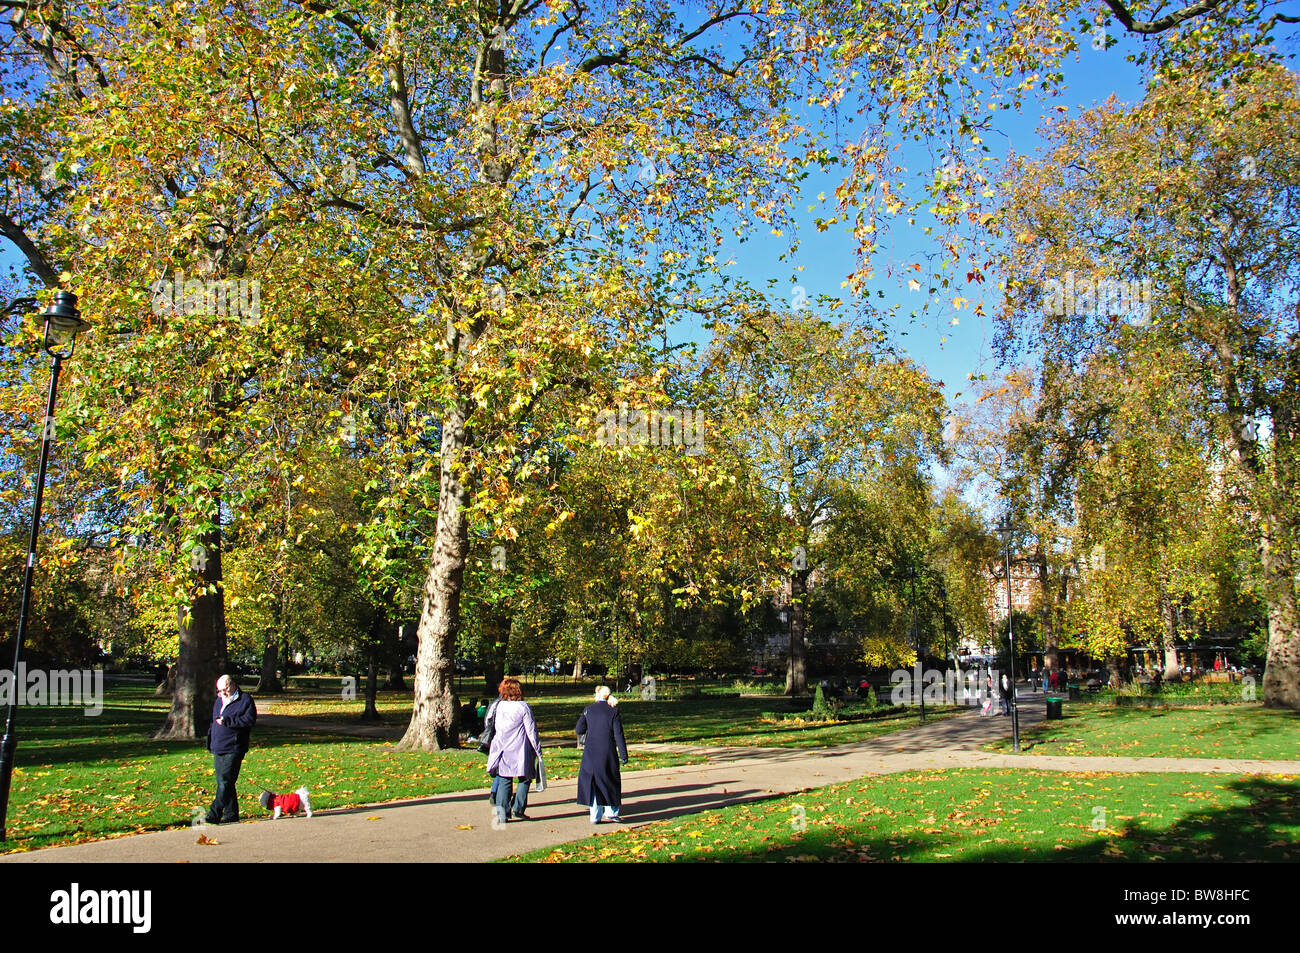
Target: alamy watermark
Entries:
(1248, 688)
(1083, 297)
(671, 427)
(217, 298)
(59, 688)
(76, 906)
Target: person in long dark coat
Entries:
(600, 786)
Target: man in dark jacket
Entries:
(233, 717)
(600, 786)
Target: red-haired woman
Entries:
(516, 753)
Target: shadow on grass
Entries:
(1251, 732)
(1248, 832)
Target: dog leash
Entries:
(257, 783)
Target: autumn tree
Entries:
(537, 171)
(1175, 220)
(198, 347)
(1013, 449)
(818, 407)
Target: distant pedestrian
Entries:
(1004, 696)
(600, 784)
(487, 728)
(233, 717)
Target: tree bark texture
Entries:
(796, 671)
(435, 716)
(202, 656)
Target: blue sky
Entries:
(950, 353)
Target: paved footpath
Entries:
(459, 826)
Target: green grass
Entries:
(980, 816)
(79, 779)
(1238, 731)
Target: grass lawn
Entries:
(79, 779)
(980, 816)
(1219, 731)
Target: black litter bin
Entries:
(1053, 709)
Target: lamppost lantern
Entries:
(62, 325)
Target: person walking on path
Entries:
(516, 752)
(600, 785)
(233, 717)
(484, 738)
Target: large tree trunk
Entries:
(167, 687)
(202, 656)
(493, 672)
(494, 666)
(435, 716)
(1173, 672)
(267, 683)
(796, 671)
(1275, 492)
(1116, 676)
(1282, 670)
(371, 712)
(395, 681)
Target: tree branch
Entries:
(1164, 23)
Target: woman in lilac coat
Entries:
(516, 752)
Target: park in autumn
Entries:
(884, 414)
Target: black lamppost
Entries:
(62, 325)
(1006, 529)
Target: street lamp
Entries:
(62, 325)
(1005, 528)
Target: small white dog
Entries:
(287, 804)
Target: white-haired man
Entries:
(233, 717)
(600, 785)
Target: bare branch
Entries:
(1164, 23)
